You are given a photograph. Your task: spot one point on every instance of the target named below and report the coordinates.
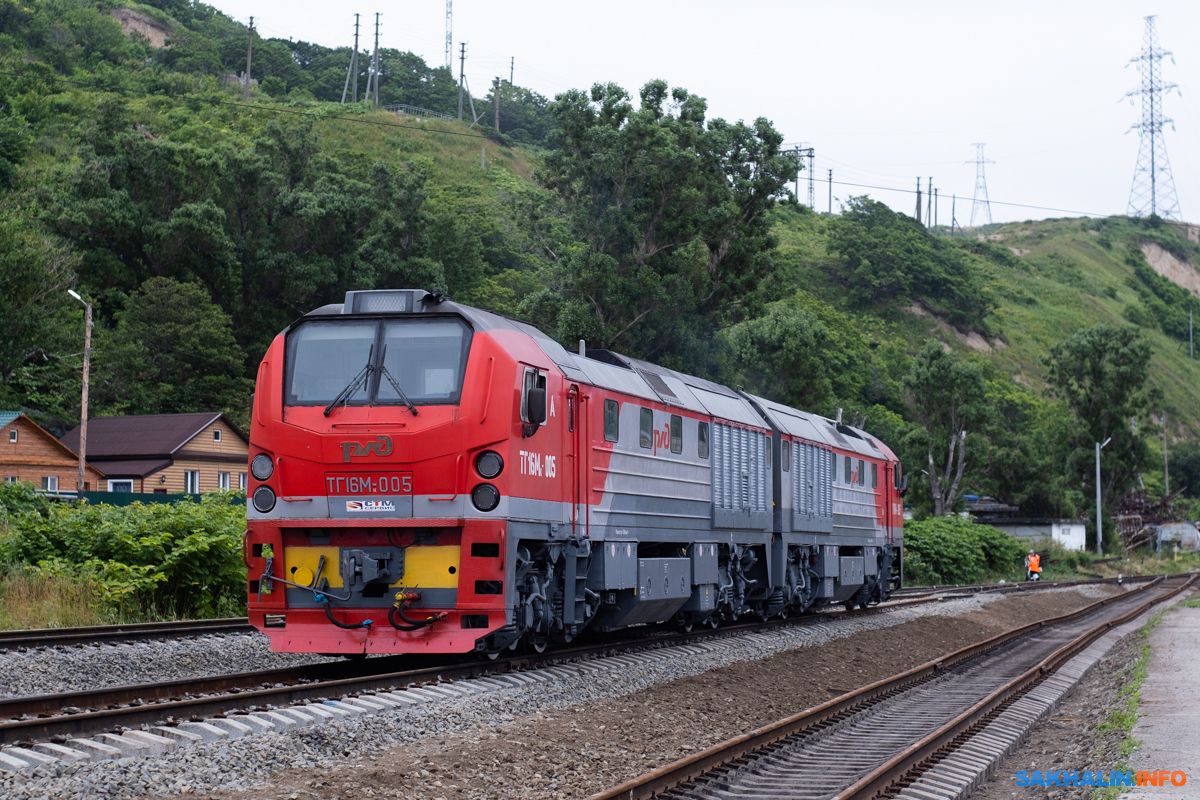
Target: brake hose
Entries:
(323, 600)
(397, 610)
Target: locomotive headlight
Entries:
(489, 464)
(485, 497)
(264, 499)
(262, 467)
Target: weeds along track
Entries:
(880, 738)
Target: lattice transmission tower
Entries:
(1153, 190)
(981, 206)
(450, 36)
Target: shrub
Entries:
(177, 559)
(955, 550)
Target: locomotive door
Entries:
(575, 453)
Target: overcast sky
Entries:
(884, 91)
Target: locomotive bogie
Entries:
(464, 483)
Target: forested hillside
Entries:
(201, 224)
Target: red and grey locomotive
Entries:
(428, 477)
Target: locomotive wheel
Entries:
(713, 622)
(493, 656)
(538, 645)
(849, 606)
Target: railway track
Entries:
(79, 714)
(115, 634)
(876, 741)
(151, 631)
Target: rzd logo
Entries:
(382, 446)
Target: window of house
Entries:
(242, 481)
(676, 433)
(121, 486)
(12, 435)
(50, 483)
(10, 478)
(223, 481)
(702, 439)
(646, 430)
(874, 476)
(612, 420)
(216, 434)
(191, 481)
(787, 456)
(846, 470)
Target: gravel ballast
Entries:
(247, 762)
(76, 668)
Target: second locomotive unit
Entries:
(428, 477)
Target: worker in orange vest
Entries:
(1033, 567)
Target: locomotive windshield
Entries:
(426, 357)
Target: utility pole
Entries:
(917, 214)
(1153, 190)
(496, 100)
(83, 404)
(935, 208)
(353, 71)
(953, 213)
(1166, 463)
(373, 80)
(1099, 521)
(981, 205)
(929, 203)
(462, 62)
(249, 53)
(450, 36)
(831, 192)
(812, 196)
(512, 65)
(1191, 341)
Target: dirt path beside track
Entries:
(577, 752)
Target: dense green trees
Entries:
(668, 214)
(1100, 374)
(889, 256)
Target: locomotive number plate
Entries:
(343, 484)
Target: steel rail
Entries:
(149, 631)
(944, 740)
(141, 631)
(43, 717)
(732, 751)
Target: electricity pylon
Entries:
(1153, 191)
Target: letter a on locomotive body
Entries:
(467, 484)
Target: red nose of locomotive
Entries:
(371, 517)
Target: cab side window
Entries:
(787, 456)
(646, 437)
(702, 439)
(612, 420)
(676, 433)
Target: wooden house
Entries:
(29, 454)
(167, 453)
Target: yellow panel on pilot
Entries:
(297, 558)
(430, 567)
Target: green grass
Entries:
(1063, 279)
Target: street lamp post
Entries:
(1099, 524)
(83, 408)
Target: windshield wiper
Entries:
(384, 371)
(352, 387)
